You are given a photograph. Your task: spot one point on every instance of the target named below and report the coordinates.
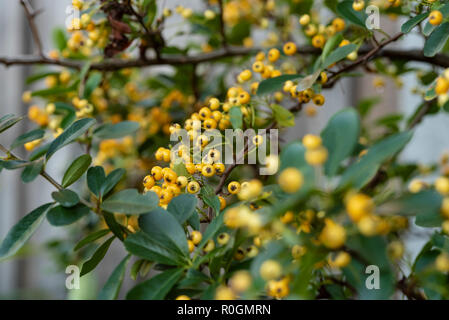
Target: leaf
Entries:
(360, 173)
(95, 179)
(130, 201)
(283, 116)
(345, 10)
(236, 117)
(211, 230)
(14, 164)
(113, 225)
(339, 54)
(194, 221)
(210, 198)
(91, 238)
(140, 244)
(91, 84)
(39, 152)
(151, 10)
(76, 170)
(118, 130)
(66, 198)
(275, 84)
(59, 39)
(330, 45)
(69, 135)
(22, 231)
(340, 137)
(96, 258)
(157, 287)
(111, 180)
(182, 207)
(61, 216)
(112, 287)
(8, 121)
(55, 91)
(163, 227)
(27, 137)
(293, 156)
(32, 171)
(435, 43)
(413, 22)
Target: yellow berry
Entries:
(311, 141)
(193, 187)
(289, 48)
(359, 205)
(435, 18)
(196, 237)
(333, 235)
(291, 180)
(273, 55)
(316, 157)
(234, 187)
(270, 269)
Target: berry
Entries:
(181, 181)
(234, 187)
(333, 235)
(196, 237)
(270, 269)
(435, 18)
(208, 170)
(193, 187)
(156, 172)
(311, 141)
(289, 48)
(148, 182)
(223, 238)
(359, 205)
(291, 180)
(190, 245)
(273, 55)
(316, 157)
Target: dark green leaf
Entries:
(27, 137)
(275, 84)
(435, 43)
(32, 171)
(413, 22)
(209, 197)
(339, 54)
(345, 10)
(66, 198)
(116, 228)
(91, 84)
(95, 180)
(118, 130)
(76, 170)
(130, 201)
(59, 39)
(74, 131)
(8, 121)
(157, 287)
(91, 238)
(96, 258)
(112, 287)
(61, 216)
(111, 180)
(22, 231)
(182, 207)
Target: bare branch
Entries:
(31, 14)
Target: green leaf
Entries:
(360, 173)
(140, 244)
(130, 201)
(31, 171)
(194, 221)
(293, 156)
(150, 7)
(22, 231)
(112, 287)
(61, 216)
(91, 238)
(76, 170)
(96, 258)
(116, 228)
(345, 10)
(209, 197)
(8, 121)
(182, 207)
(435, 43)
(66, 198)
(35, 77)
(338, 54)
(14, 164)
(111, 180)
(330, 45)
(74, 131)
(157, 287)
(275, 84)
(340, 138)
(283, 116)
(163, 227)
(91, 84)
(95, 179)
(39, 152)
(413, 22)
(236, 117)
(118, 130)
(211, 230)
(27, 137)
(59, 39)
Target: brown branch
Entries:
(31, 14)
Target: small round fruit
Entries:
(181, 181)
(311, 141)
(148, 182)
(435, 18)
(193, 187)
(223, 238)
(208, 170)
(270, 269)
(359, 205)
(190, 245)
(196, 237)
(317, 156)
(234, 187)
(291, 180)
(289, 48)
(273, 55)
(210, 245)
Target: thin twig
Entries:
(31, 14)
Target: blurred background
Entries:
(34, 274)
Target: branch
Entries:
(31, 14)
(44, 174)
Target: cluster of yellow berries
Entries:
(277, 286)
(111, 148)
(316, 154)
(319, 33)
